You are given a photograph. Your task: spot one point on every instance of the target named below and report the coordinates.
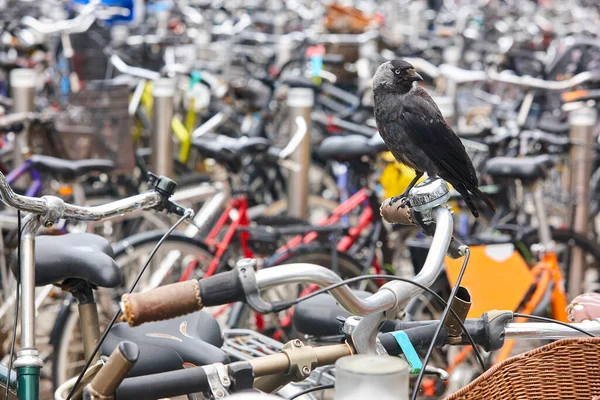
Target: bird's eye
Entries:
(397, 72)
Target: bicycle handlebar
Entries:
(137, 72)
(110, 376)
(489, 331)
(460, 75)
(54, 208)
(218, 88)
(178, 299)
(79, 24)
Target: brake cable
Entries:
(445, 313)
(118, 313)
(283, 305)
(554, 321)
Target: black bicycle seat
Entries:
(229, 150)
(75, 255)
(194, 339)
(350, 147)
(323, 316)
(68, 169)
(526, 168)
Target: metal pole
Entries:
(28, 363)
(582, 122)
(22, 89)
(285, 48)
(163, 91)
(300, 102)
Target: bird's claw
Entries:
(402, 199)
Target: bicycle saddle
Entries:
(351, 147)
(526, 168)
(169, 345)
(229, 150)
(76, 255)
(322, 315)
(70, 169)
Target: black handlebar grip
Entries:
(110, 376)
(164, 302)
(223, 288)
(420, 337)
(164, 385)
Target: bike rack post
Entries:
(22, 89)
(163, 91)
(285, 48)
(582, 121)
(300, 102)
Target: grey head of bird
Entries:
(395, 76)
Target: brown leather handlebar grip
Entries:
(164, 302)
(395, 214)
(110, 376)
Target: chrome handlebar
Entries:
(217, 87)
(460, 75)
(549, 330)
(315, 274)
(81, 23)
(428, 199)
(54, 208)
(391, 295)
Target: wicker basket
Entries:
(566, 369)
(98, 125)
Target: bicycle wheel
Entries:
(177, 253)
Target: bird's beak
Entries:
(417, 77)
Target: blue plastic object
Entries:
(409, 352)
(128, 4)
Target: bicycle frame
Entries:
(239, 207)
(9, 379)
(236, 213)
(26, 168)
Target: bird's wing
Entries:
(430, 131)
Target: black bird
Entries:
(416, 133)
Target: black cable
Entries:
(283, 305)
(118, 313)
(17, 295)
(310, 390)
(441, 324)
(544, 319)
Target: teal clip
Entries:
(195, 77)
(409, 351)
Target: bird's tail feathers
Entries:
(468, 200)
(484, 197)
